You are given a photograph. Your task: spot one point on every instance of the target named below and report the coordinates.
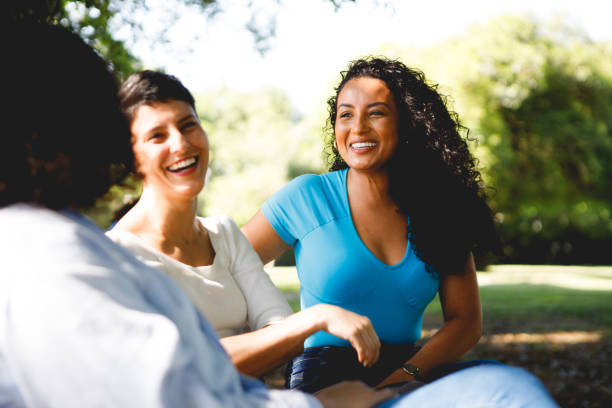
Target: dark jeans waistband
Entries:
(320, 367)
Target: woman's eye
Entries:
(188, 125)
(156, 136)
(377, 113)
(345, 115)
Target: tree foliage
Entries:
(257, 145)
(97, 22)
(539, 100)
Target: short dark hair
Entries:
(148, 87)
(67, 141)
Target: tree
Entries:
(539, 100)
(97, 22)
(257, 145)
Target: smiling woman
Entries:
(209, 257)
(391, 225)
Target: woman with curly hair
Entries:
(393, 223)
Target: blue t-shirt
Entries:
(312, 214)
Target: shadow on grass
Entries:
(563, 336)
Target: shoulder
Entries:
(34, 228)
(310, 186)
(306, 203)
(116, 234)
(219, 224)
(128, 240)
(139, 248)
(223, 228)
(305, 181)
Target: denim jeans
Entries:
(320, 367)
(486, 385)
(469, 384)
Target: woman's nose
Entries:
(178, 141)
(359, 124)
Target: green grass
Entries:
(523, 302)
(554, 321)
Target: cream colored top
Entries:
(235, 294)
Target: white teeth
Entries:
(363, 144)
(182, 164)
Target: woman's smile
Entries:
(363, 147)
(184, 166)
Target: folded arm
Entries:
(260, 351)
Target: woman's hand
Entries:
(353, 327)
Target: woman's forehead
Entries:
(366, 90)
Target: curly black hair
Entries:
(433, 177)
(65, 140)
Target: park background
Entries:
(531, 80)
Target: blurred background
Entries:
(532, 80)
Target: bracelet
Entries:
(412, 370)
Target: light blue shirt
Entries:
(84, 324)
(312, 213)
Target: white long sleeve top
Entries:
(235, 294)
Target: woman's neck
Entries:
(162, 219)
(369, 187)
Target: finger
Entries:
(370, 350)
(373, 347)
(362, 348)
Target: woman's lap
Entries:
(485, 385)
(320, 367)
(476, 383)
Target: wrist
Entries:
(412, 371)
(316, 316)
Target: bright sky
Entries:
(313, 43)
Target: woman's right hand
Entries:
(353, 327)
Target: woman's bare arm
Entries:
(462, 328)
(260, 351)
(266, 242)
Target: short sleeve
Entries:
(266, 304)
(295, 210)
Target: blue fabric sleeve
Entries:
(292, 211)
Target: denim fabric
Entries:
(484, 385)
(320, 367)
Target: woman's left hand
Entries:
(353, 327)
